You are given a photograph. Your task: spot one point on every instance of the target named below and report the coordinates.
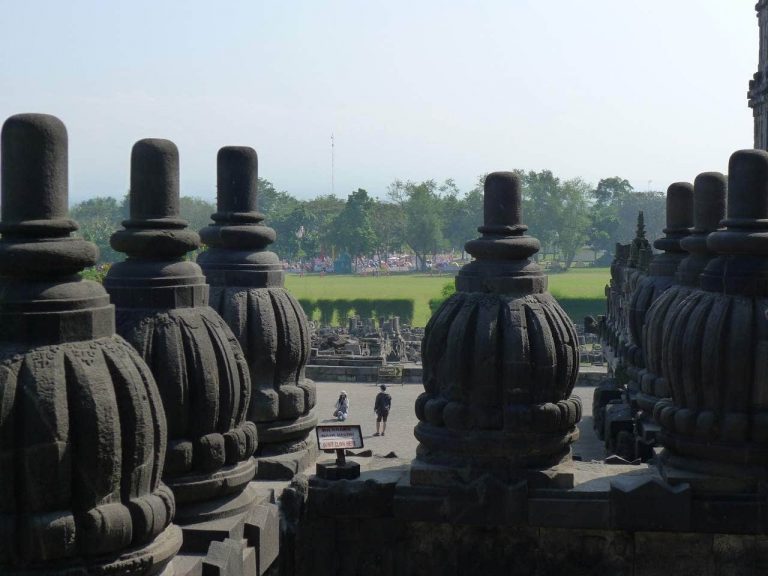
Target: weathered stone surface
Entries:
(692, 554)
(500, 357)
(162, 310)
(585, 552)
(247, 290)
(162, 302)
(709, 196)
(640, 254)
(639, 503)
(758, 86)
(82, 431)
(229, 558)
(262, 530)
(661, 272)
(717, 420)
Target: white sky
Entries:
(650, 91)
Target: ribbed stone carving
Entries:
(717, 362)
(709, 194)
(661, 272)
(162, 310)
(247, 290)
(614, 292)
(640, 254)
(500, 356)
(82, 430)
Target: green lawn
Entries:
(580, 291)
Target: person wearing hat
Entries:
(381, 409)
(341, 411)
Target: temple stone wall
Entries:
(381, 525)
(758, 86)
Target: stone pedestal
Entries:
(82, 431)
(247, 290)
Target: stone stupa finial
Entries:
(247, 290)
(714, 346)
(162, 309)
(500, 359)
(82, 430)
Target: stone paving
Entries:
(399, 437)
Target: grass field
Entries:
(580, 291)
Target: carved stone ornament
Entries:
(614, 296)
(709, 194)
(82, 430)
(247, 290)
(500, 356)
(717, 342)
(661, 272)
(162, 310)
(640, 253)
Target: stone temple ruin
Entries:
(164, 423)
(363, 352)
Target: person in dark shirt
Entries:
(381, 409)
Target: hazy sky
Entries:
(650, 91)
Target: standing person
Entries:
(381, 409)
(341, 411)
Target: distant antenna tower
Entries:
(333, 180)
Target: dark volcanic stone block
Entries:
(579, 510)
(639, 503)
(716, 422)
(585, 552)
(162, 309)
(82, 430)
(247, 290)
(262, 530)
(693, 554)
(501, 405)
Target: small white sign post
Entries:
(340, 437)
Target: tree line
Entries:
(423, 218)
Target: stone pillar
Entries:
(709, 196)
(162, 310)
(247, 290)
(758, 86)
(716, 423)
(661, 273)
(82, 430)
(500, 360)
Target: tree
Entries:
(388, 221)
(423, 223)
(352, 228)
(556, 212)
(654, 207)
(196, 211)
(572, 219)
(98, 219)
(540, 203)
(611, 191)
(325, 209)
(613, 214)
(271, 203)
(461, 214)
